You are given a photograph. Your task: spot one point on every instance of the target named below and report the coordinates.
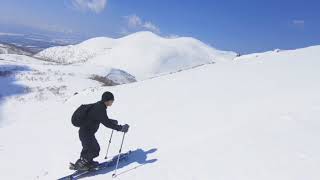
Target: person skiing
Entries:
(95, 115)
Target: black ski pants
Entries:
(90, 146)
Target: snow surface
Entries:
(253, 118)
(10, 49)
(40, 80)
(141, 54)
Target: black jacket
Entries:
(96, 115)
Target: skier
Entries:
(96, 114)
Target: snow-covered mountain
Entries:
(10, 49)
(40, 80)
(246, 118)
(142, 54)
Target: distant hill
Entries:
(12, 49)
(33, 43)
(142, 54)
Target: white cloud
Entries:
(135, 23)
(92, 5)
(298, 23)
(151, 27)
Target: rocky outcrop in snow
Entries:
(114, 77)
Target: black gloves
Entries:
(125, 128)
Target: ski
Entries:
(109, 163)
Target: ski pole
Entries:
(109, 145)
(115, 171)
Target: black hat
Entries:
(107, 96)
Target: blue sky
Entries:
(239, 25)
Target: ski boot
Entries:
(82, 164)
(94, 164)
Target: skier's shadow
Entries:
(137, 156)
(8, 82)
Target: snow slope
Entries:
(10, 49)
(252, 118)
(142, 54)
(40, 80)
